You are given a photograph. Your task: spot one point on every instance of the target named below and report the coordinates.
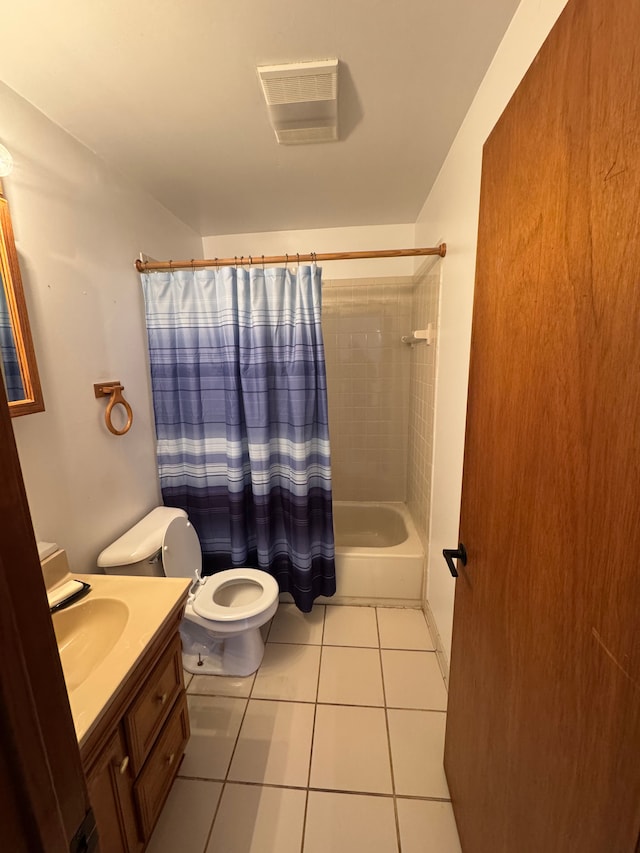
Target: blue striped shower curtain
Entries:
(240, 401)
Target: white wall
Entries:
(78, 229)
(351, 239)
(451, 213)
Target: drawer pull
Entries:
(170, 758)
(122, 767)
(162, 698)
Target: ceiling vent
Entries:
(302, 100)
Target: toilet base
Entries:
(203, 654)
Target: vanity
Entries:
(121, 656)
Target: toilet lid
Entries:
(261, 591)
(181, 554)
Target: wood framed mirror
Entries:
(18, 357)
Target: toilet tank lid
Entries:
(142, 540)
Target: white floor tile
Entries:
(221, 685)
(215, 723)
(350, 626)
(291, 625)
(186, 818)
(346, 823)
(403, 629)
(274, 745)
(417, 750)
(350, 676)
(413, 680)
(427, 827)
(255, 819)
(350, 751)
(288, 672)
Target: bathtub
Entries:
(379, 556)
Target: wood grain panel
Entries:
(543, 733)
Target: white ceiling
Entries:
(167, 92)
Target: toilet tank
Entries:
(139, 550)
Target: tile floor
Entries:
(333, 746)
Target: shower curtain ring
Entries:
(263, 263)
(286, 260)
(298, 256)
(235, 257)
(250, 260)
(170, 264)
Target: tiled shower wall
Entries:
(426, 294)
(368, 375)
(381, 391)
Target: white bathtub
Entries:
(379, 556)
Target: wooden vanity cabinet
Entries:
(132, 757)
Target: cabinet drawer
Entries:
(147, 715)
(155, 780)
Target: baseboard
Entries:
(359, 601)
(441, 655)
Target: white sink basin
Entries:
(86, 632)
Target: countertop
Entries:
(150, 602)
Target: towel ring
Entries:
(114, 390)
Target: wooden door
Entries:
(543, 737)
(43, 796)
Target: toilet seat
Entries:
(204, 605)
(181, 553)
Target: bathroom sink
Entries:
(86, 632)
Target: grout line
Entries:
(235, 745)
(304, 817)
(318, 789)
(313, 735)
(226, 775)
(319, 702)
(215, 815)
(353, 646)
(386, 721)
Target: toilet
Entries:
(224, 612)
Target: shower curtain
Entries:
(240, 402)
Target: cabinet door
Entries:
(111, 794)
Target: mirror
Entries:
(18, 362)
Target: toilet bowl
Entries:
(220, 630)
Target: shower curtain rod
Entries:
(154, 266)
